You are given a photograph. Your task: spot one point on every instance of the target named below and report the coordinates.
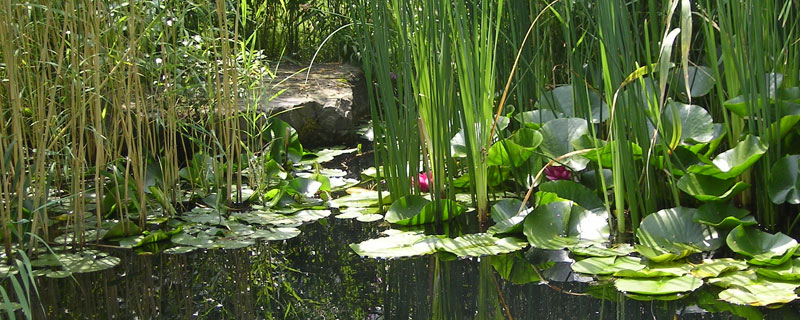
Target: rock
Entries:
(326, 109)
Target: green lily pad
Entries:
(714, 267)
(784, 185)
(723, 215)
(87, 261)
(732, 163)
(360, 198)
(561, 224)
(561, 101)
(696, 125)
(180, 250)
(665, 269)
(275, 233)
(574, 191)
(514, 268)
(325, 155)
(416, 210)
(233, 243)
(516, 149)
(701, 81)
(757, 295)
(534, 119)
(506, 217)
(122, 229)
(558, 135)
(621, 249)
(482, 244)
(658, 286)
(294, 219)
(708, 188)
(607, 265)
(202, 240)
(788, 271)
(671, 234)
(397, 244)
(763, 248)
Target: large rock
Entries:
(325, 109)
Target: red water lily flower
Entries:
(557, 173)
(423, 182)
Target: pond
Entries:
(318, 276)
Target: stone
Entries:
(325, 109)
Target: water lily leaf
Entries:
(558, 135)
(735, 279)
(574, 191)
(665, 269)
(282, 220)
(603, 155)
(274, 234)
(180, 250)
(534, 119)
(157, 236)
(122, 229)
(658, 286)
(788, 271)
(723, 215)
(701, 81)
(516, 149)
(562, 224)
(621, 249)
(561, 101)
(233, 243)
(325, 155)
(203, 216)
(763, 248)
(482, 244)
(506, 217)
(358, 197)
(714, 267)
(86, 261)
(416, 210)
(696, 125)
(709, 302)
(784, 185)
(708, 188)
(514, 268)
(304, 186)
(607, 265)
(757, 295)
(369, 217)
(397, 244)
(671, 234)
(202, 240)
(732, 163)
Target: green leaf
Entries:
(513, 267)
(561, 101)
(571, 190)
(304, 186)
(558, 135)
(607, 265)
(789, 271)
(516, 149)
(732, 163)
(708, 188)
(763, 248)
(81, 262)
(536, 118)
(122, 229)
(711, 268)
(784, 185)
(561, 224)
(506, 217)
(654, 270)
(701, 81)
(658, 286)
(723, 215)
(757, 295)
(397, 244)
(671, 234)
(696, 125)
(416, 210)
(482, 244)
(281, 220)
(621, 249)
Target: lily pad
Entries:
(695, 123)
(516, 149)
(561, 101)
(607, 265)
(701, 81)
(275, 234)
(671, 234)
(708, 188)
(506, 217)
(358, 197)
(87, 261)
(558, 135)
(561, 224)
(294, 219)
(514, 268)
(784, 185)
(763, 248)
(658, 286)
(732, 163)
(416, 210)
(757, 295)
(482, 244)
(788, 271)
(723, 215)
(536, 118)
(621, 249)
(397, 244)
(666, 269)
(714, 267)
(574, 191)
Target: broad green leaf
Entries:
(654, 270)
(482, 244)
(416, 210)
(701, 81)
(763, 248)
(397, 244)
(122, 229)
(621, 249)
(516, 149)
(607, 265)
(304, 186)
(673, 232)
(723, 215)
(708, 188)
(360, 198)
(325, 155)
(513, 267)
(789, 271)
(507, 217)
(732, 163)
(561, 224)
(202, 240)
(282, 220)
(561, 101)
(757, 295)
(274, 234)
(571, 190)
(78, 262)
(536, 118)
(558, 135)
(233, 243)
(695, 122)
(784, 185)
(658, 286)
(714, 267)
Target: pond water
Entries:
(317, 276)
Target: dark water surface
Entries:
(317, 276)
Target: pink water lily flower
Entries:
(423, 182)
(557, 173)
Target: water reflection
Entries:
(317, 276)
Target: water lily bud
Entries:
(554, 173)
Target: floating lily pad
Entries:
(757, 295)
(482, 244)
(607, 265)
(506, 217)
(326, 155)
(708, 188)
(180, 250)
(732, 163)
(562, 224)
(784, 185)
(621, 249)
(275, 233)
(359, 197)
(561, 101)
(701, 81)
(654, 270)
(671, 234)
(200, 241)
(534, 119)
(723, 215)
(558, 135)
(233, 243)
(397, 244)
(714, 267)
(573, 191)
(763, 248)
(416, 210)
(83, 261)
(658, 286)
(516, 149)
(514, 268)
(696, 125)
(788, 271)
(277, 219)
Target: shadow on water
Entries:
(317, 276)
